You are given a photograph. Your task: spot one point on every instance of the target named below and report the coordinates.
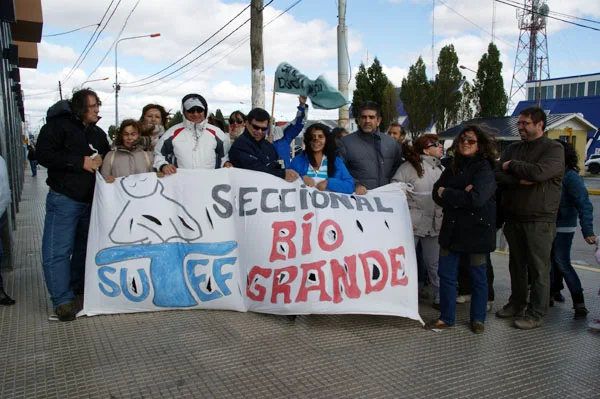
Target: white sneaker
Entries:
(463, 298)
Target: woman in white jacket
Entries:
(422, 169)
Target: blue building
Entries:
(572, 94)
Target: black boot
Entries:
(579, 306)
(5, 299)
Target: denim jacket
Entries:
(574, 200)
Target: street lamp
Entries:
(117, 76)
(92, 80)
(467, 68)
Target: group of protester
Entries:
(453, 210)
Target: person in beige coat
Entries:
(128, 156)
(422, 170)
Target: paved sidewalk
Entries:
(225, 354)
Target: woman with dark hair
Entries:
(466, 193)
(154, 120)
(319, 166)
(237, 122)
(422, 170)
(338, 133)
(128, 156)
(574, 201)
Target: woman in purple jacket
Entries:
(319, 166)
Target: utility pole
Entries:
(540, 85)
(343, 117)
(256, 54)
(60, 89)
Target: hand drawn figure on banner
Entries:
(150, 217)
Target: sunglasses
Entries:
(468, 140)
(262, 129)
(238, 121)
(195, 110)
(434, 144)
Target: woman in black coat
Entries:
(466, 192)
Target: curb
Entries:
(593, 192)
(591, 269)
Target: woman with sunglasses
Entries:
(422, 170)
(237, 122)
(318, 165)
(466, 192)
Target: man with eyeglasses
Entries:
(193, 143)
(71, 147)
(530, 178)
(282, 136)
(254, 152)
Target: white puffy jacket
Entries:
(190, 145)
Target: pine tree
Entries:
(489, 90)
(467, 103)
(416, 95)
(372, 84)
(175, 119)
(446, 93)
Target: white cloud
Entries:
(56, 53)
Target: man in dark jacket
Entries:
(371, 157)
(252, 151)
(530, 178)
(71, 147)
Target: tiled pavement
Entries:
(226, 354)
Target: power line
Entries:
(236, 46)
(473, 23)
(189, 52)
(116, 40)
(96, 39)
(548, 16)
(89, 41)
(560, 13)
(71, 31)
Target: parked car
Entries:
(593, 164)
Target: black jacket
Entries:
(61, 147)
(469, 222)
(247, 153)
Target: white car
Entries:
(593, 164)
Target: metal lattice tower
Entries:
(531, 61)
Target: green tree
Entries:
(446, 93)
(372, 84)
(467, 103)
(219, 116)
(175, 119)
(416, 96)
(362, 93)
(112, 133)
(491, 98)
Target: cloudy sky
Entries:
(395, 31)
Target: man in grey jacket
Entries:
(530, 179)
(371, 157)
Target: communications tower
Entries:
(531, 61)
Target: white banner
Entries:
(247, 241)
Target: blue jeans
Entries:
(64, 246)
(448, 272)
(33, 165)
(561, 260)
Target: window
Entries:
(565, 139)
(581, 89)
(573, 90)
(530, 94)
(591, 88)
(550, 92)
(565, 92)
(558, 91)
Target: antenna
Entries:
(532, 46)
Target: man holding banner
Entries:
(252, 151)
(371, 157)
